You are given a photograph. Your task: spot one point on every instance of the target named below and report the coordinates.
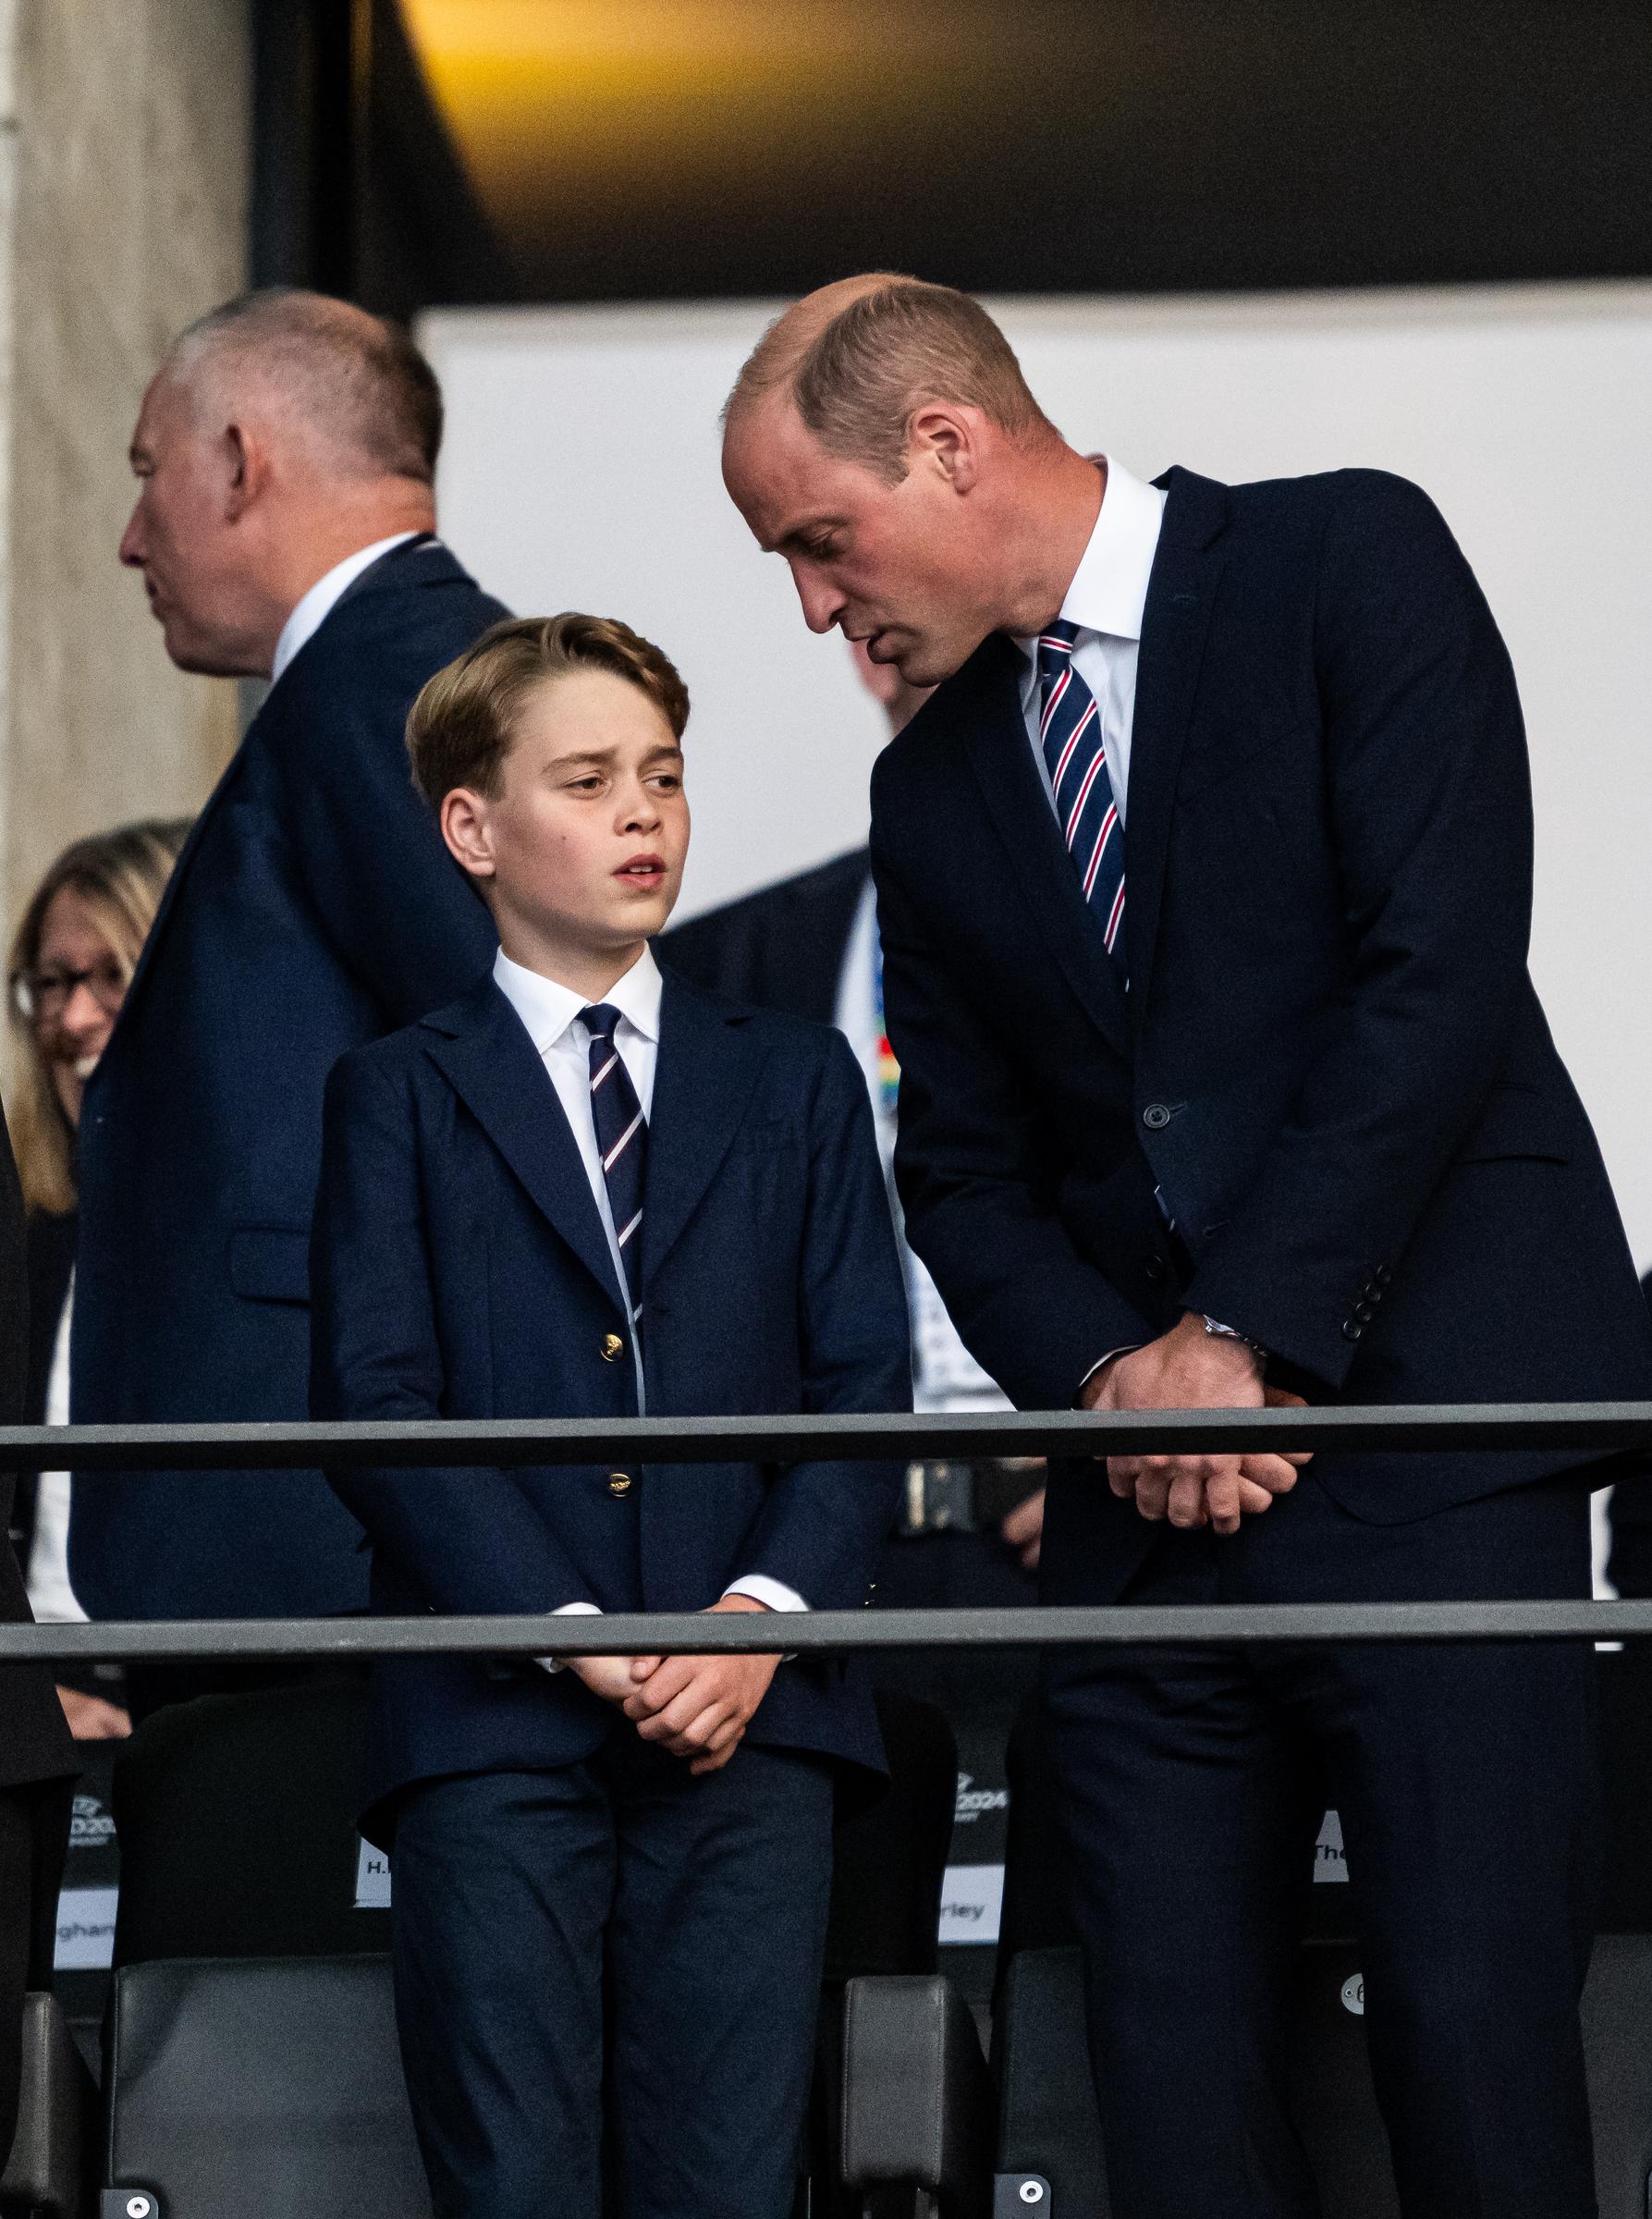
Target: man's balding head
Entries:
(855, 360)
(352, 387)
(883, 439)
(282, 432)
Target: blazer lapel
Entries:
(708, 1065)
(1181, 595)
(174, 886)
(482, 1046)
(1000, 755)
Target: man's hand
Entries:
(700, 1707)
(92, 1718)
(1188, 1368)
(1022, 1530)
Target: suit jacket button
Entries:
(1352, 1331)
(620, 1483)
(1365, 1313)
(1156, 1117)
(1154, 1270)
(1372, 1292)
(1383, 1276)
(613, 1348)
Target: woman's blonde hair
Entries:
(120, 875)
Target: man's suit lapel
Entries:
(709, 1064)
(482, 1046)
(996, 741)
(174, 886)
(1181, 595)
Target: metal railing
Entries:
(1578, 1430)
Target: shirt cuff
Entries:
(1128, 1348)
(773, 1594)
(567, 1610)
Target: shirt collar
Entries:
(312, 609)
(1108, 593)
(547, 1008)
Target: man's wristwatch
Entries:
(1219, 1332)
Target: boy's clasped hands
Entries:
(693, 1707)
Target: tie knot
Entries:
(1056, 643)
(600, 1019)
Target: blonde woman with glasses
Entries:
(72, 959)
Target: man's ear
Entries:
(947, 436)
(463, 817)
(248, 463)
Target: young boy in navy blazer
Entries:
(586, 1189)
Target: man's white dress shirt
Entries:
(1106, 600)
(551, 1014)
(315, 607)
(945, 1375)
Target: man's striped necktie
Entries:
(1070, 732)
(621, 1140)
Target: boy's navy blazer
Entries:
(460, 1268)
(313, 908)
(1330, 1062)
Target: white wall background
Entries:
(582, 471)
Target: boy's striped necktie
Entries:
(621, 1140)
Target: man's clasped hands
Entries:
(1191, 1369)
(693, 1707)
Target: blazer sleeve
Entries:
(1431, 824)
(980, 1208)
(468, 1539)
(396, 908)
(824, 1522)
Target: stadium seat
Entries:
(246, 2089)
(44, 2174)
(918, 2102)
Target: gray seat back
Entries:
(260, 2088)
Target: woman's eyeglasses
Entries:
(41, 997)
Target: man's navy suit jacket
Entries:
(1330, 1059)
(460, 1269)
(313, 908)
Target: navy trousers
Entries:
(1194, 1784)
(613, 1968)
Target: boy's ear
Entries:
(465, 828)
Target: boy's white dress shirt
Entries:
(550, 1013)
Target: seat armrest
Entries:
(45, 2169)
(918, 2105)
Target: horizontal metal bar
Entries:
(693, 1633)
(1579, 1428)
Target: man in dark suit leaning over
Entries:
(285, 529)
(1204, 882)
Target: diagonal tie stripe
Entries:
(1075, 753)
(621, 1140)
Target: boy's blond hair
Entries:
(461, 728)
